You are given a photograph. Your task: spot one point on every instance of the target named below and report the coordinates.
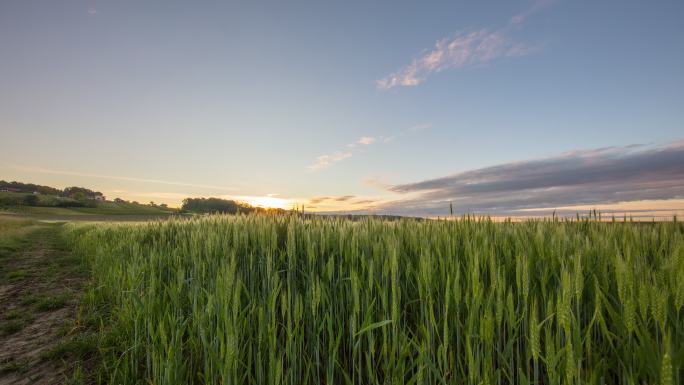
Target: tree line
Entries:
(74, 192)
(218, 205)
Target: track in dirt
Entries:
(40, 284)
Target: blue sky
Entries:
(161, 100)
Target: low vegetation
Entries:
(287, 299)
(11, 234)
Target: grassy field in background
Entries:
(282, 299)
(46, 205)
(103, 209)
(11, 231)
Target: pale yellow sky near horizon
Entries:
(172, 193)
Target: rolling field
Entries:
(104, 212)
(107, 208)
(281, 299)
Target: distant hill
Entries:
(33, 199)
(73, 192)
(28, 188)
(29, 198)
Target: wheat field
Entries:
(288, 299)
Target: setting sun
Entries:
(267, 202)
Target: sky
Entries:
(517, 107)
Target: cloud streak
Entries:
(325, 161)
(524, 15)
(342, 198)
(463, 50)
(588, 177)
(42, 170)
(364, 141)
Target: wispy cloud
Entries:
(342, 198)
(42, 170)
(420, 127)
(364, 141)
(376, 182)
(317, 200)
(324, 161)
(409, 131)
(342, 204)
(463, 50)
(521, 17)
(587, 177)
(365, 202)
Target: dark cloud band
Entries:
(607, 175)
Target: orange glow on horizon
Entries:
(663, 205)
(267, 202)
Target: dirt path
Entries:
(39, 288)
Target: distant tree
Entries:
(119, 200)
(68, 202)
(28, 188)
(163, 205)
(10, 200)
(215, 205)
(30, 200)
(69, 197)
(78, 195)
(82, 192)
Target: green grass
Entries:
(75, 348)
(12, 366)
(7, 224)
(268, 299)
(46, 302)
(104, 209)
(39, 210)
(16, 275)
(13, 232)
(13, 314)
(10, 327)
